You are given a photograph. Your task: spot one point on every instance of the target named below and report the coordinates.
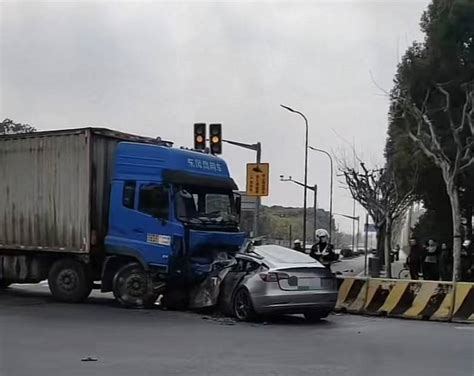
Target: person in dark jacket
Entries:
(415, 258)
(323, 251)
(446, 263)
(431, 261)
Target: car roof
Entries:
(277, 256)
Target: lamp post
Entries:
(305, 190)
(315, 203)
(331, 186)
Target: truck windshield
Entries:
(198, 205)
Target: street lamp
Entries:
(305, 190)
(315, 204)
(332, 186)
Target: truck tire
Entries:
(133, 288)
(69, 281)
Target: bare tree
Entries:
(377, 191)
(452, 156)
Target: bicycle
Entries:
(405, 273)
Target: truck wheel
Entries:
(69, 281)
(133, 288)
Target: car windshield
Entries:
(198, 205)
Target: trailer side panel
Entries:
(45, 192)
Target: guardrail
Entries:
(409, 299)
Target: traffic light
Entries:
(215, 138)
(199, 136)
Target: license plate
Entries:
(309, 283)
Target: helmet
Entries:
(466, 243)
(297, 241)
(320, 233)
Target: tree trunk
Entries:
(388, 246)
(457, 229)
(380, 235)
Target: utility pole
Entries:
(305, 190)
(331, 194)
(315, 214)
(257, 148)
(366, 242)
(311, 188)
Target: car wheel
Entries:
(69, 281)
(133, 288)
(242, 305)
(315, 316)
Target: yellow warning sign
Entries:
(257, 179)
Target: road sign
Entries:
(257, 179)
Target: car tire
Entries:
(69, 281)
(315, 316)
(242, 307)
(133, 288)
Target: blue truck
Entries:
(96, 208)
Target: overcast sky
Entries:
(155, 68)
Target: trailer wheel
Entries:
(69, 281)
(133, 288)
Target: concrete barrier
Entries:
(422, 300)
(463, 310)
(352, 294)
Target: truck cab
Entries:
(172, 214)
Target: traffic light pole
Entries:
(257, 148)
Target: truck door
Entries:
(142, 222)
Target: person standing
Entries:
(446, 263)
(414, 258)
(323, 250)
(297, 246)
(396, 253)
(431, 261)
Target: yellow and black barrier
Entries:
(352, 295)
(464, 303)
(422, 300)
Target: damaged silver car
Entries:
(274, 280)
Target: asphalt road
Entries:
(349, 266)
(39, 337)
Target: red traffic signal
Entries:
(199, 136)
(215, 138)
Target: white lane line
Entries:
(466, 327)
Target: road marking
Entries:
(466, 327)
